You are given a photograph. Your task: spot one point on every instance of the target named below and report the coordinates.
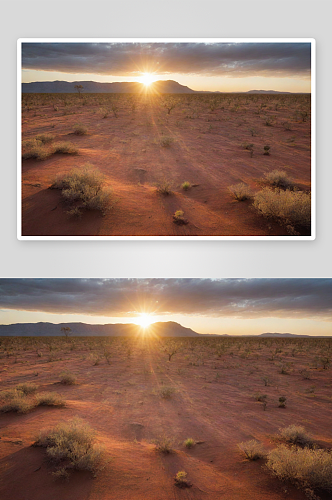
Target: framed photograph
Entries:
(171, 139)
(141, 388)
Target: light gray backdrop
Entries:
(159, 18)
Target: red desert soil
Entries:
(214, 382)
(207, 150)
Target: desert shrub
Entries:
(15, 400)
(295, 434)
(165, 187)
(72, 445)
(166, 392)
(308, 469)
(65, 148)
(241, 191)
(85, 186)
(181, 480)
(164, 444)
(35, 149)
(80, 129)
(278, 178)
(67, 378)
(267, 150)
(186, 185)
(45, 138)
(27, 388)
(49, 399)
(253, 450)
(189, 443)
(282, 402)
(166, 141)
(287, 207)
(260, 397)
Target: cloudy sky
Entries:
(233, 306)
(228, 67)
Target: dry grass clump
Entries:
(165, 187)
(287, 207)
(166, 392)
(179, 219)
(164, 444)
(166, 141)
(189, 443)
(65, 148)
(307, 468)
(35, 149)
(278, 178)
(45, 138)
(186, 185)
(49, 399)
(253, 450)
(27, 388)
(80, 129)
(67, 378)
(241, 191)
(181, 480)
(295, 434)
(71, 445)
(84, 187)
(15, 400)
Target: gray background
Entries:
(161, 18)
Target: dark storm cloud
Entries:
(244, 298)
(210, 59)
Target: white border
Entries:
(312, 41)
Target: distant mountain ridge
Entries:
(90, 87)
(163, 87)
(163, 329)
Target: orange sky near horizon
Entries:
(198, 323)
(193, 81)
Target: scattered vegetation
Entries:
(252, 450)
(164, 444)
(186, 185)
(189, 443)
(67, 378)
(241, 191)
(166, 141)
(84, 187)
(287, 207)
(165, 187)
(295, 434)
(309, 469)
(278, 178)
(80, 129)
(71, 446)
(181, 480)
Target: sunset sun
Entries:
(144, 320)
(147, 79)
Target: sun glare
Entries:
(144, 320)
(147, 79)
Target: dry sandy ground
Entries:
(213, 403)
(207, 150)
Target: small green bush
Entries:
(189, 443)
(166, 392)
(186, 185)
